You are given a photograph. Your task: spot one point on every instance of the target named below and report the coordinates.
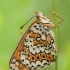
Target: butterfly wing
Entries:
(15, 62)
(35, 50)
(40, 47)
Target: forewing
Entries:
(35, 50)
(15, 62)
(40, 47)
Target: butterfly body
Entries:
(37, 47)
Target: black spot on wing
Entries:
(38, 23)
(30, 41)
(35, 26)
(42, 32)
(10, 67)
(27, 64)
(40, 29)
(22, 60)
(45, 63)
(52, 40)
(39, 26)
(38, 65)
(32, 66)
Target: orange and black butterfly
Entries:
(37, 47)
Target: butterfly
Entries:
(37, 47)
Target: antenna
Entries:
(26, 22)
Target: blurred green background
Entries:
(15, 13)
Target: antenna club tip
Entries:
(21, 31)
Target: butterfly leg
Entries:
(60, 20)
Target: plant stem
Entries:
(56, 37)
(53, 6)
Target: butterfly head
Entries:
(39, 14)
